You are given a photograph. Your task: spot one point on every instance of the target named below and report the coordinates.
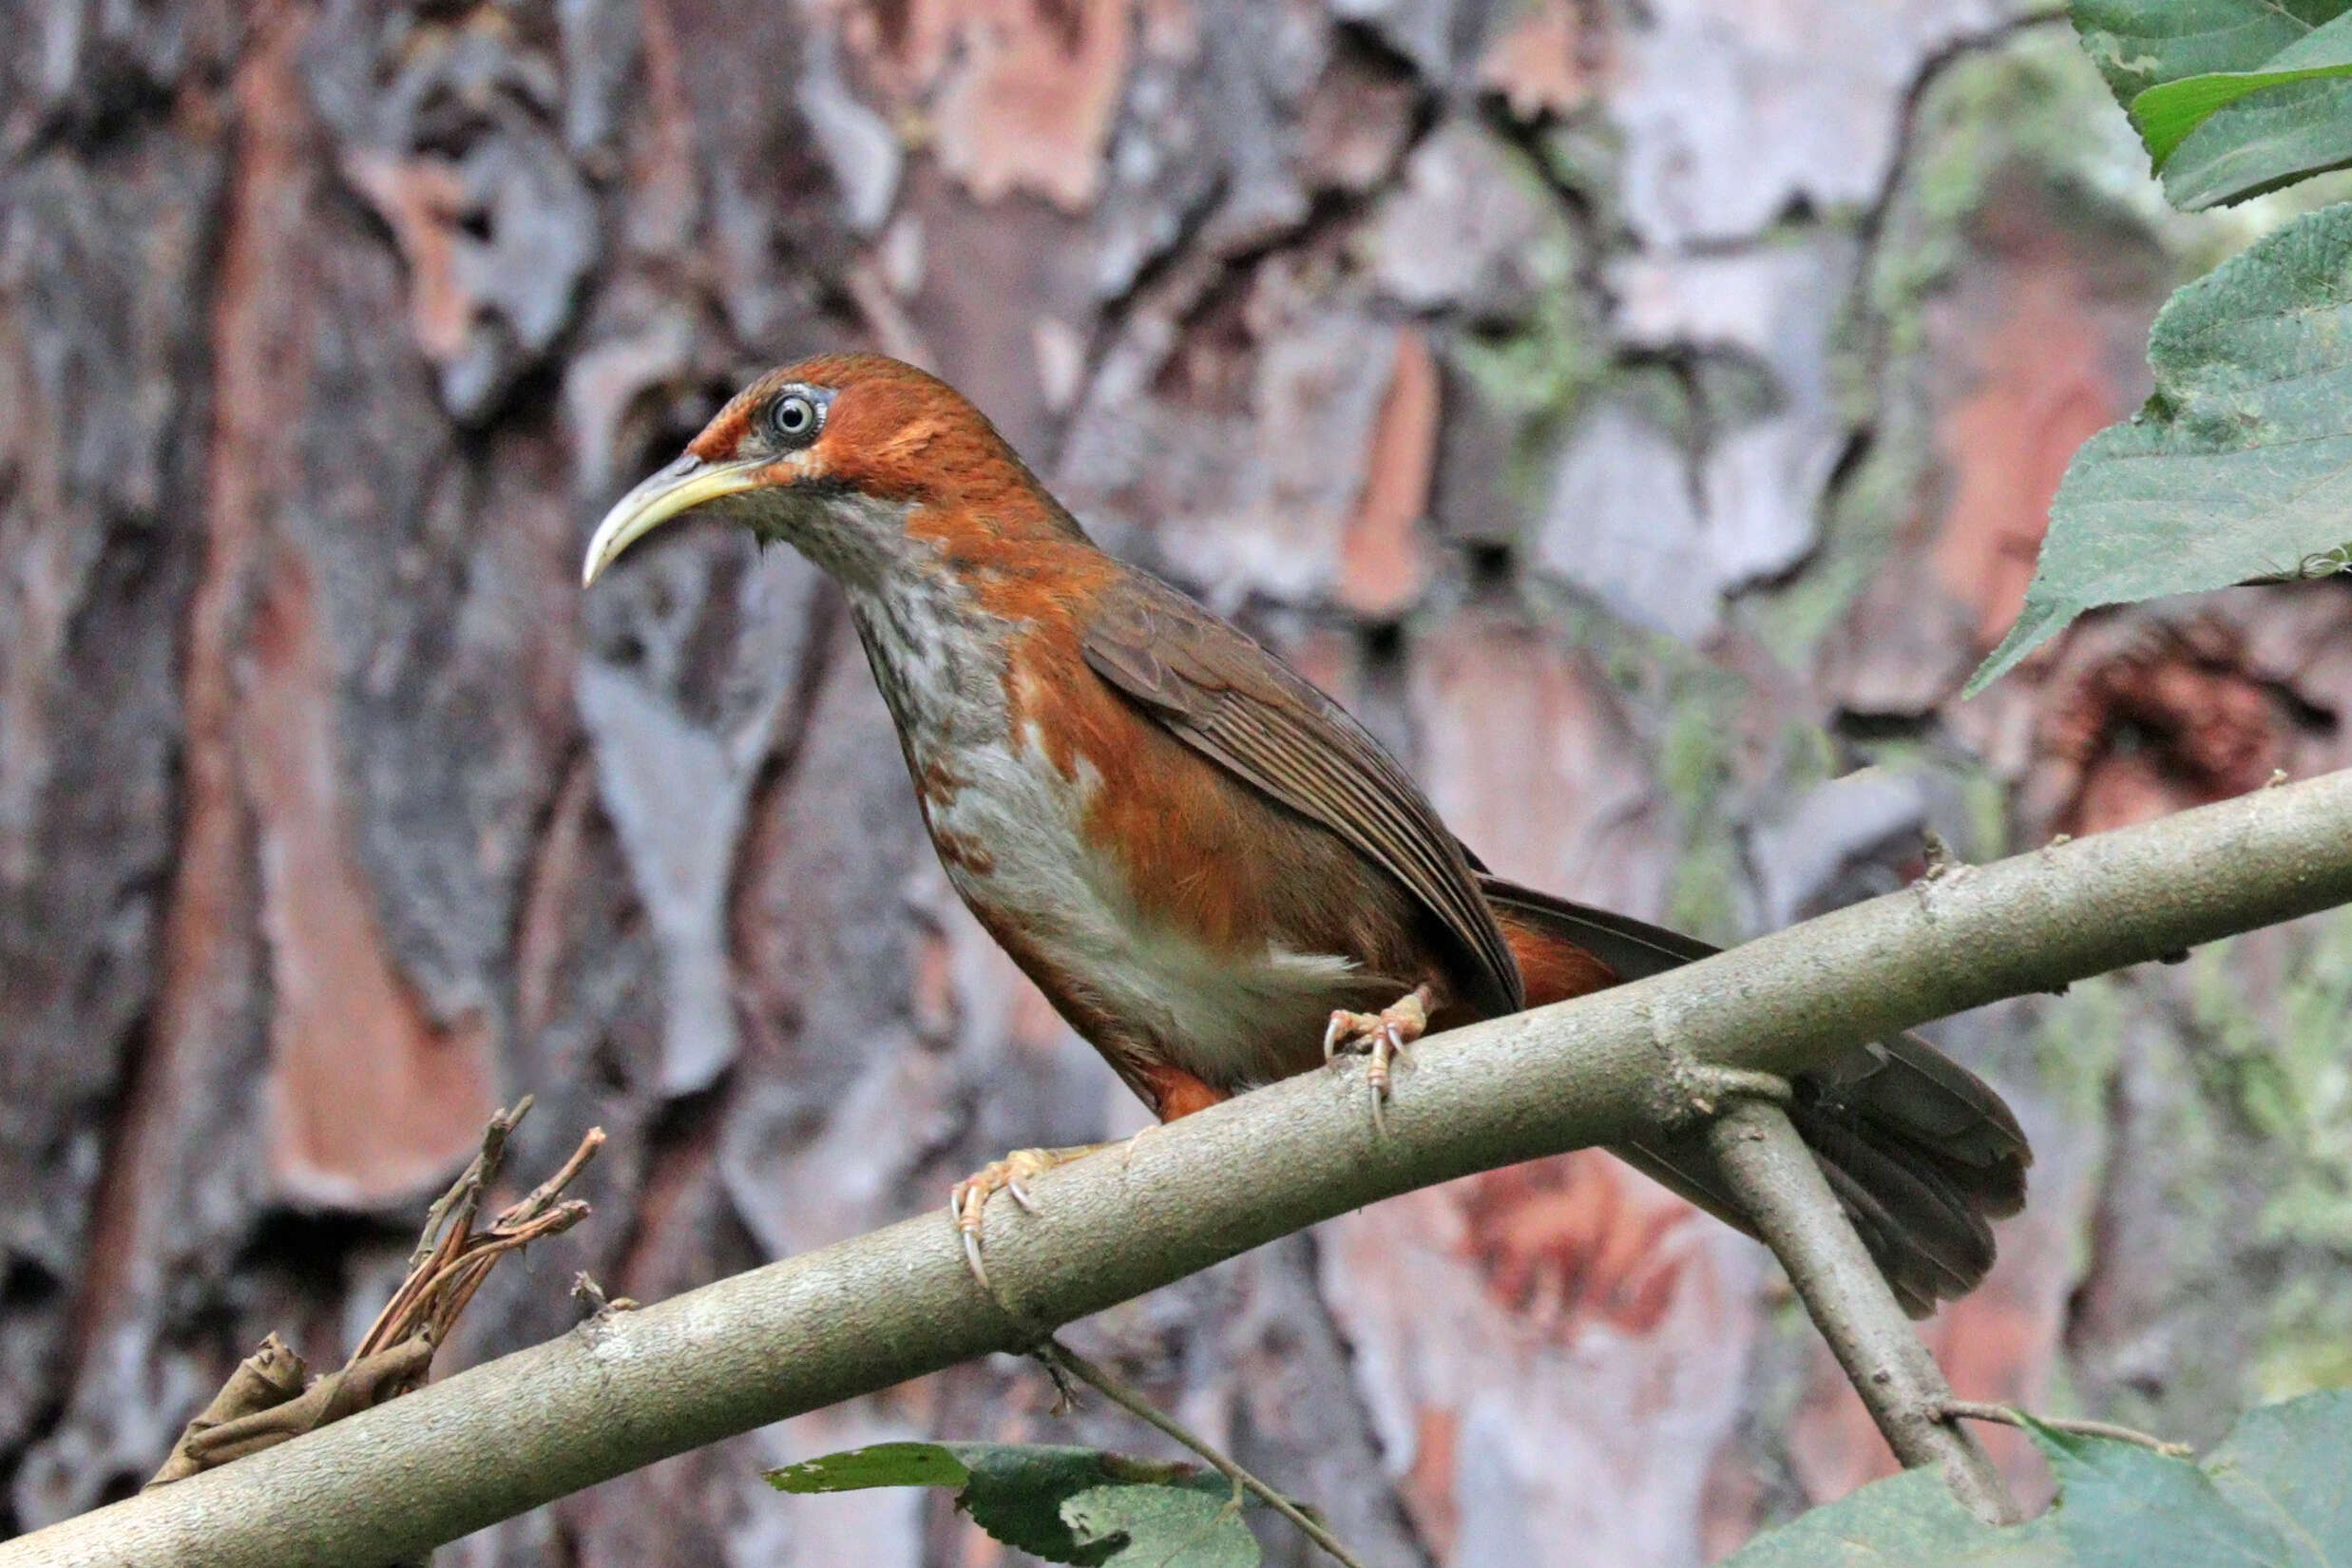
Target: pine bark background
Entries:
(1643, 415)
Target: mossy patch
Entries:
(2031, 110)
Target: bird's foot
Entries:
(968, 1200)
(1383, 1035)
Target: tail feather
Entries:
(1920, 1152)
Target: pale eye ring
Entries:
(792, 419)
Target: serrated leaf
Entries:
(2140, 44)
(1162, 1527)
(1018, 1491)
(2240, 466)
(1012, 1490)
(2285, 1463)
(882, 1465)
(2273, 137)
(2166, 112)
(2278, 1493)
(2124, 1506)
(2232, 97)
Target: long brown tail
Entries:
(1920, 1150)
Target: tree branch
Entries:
(623, 1390)
(1768, 1166)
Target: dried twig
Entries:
(270, 1397)
(452, 1259)
(264, 1381)
(590, 1295)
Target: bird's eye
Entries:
(792, 419)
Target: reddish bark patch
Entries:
(2039, 341)
(1383, 563)
(1551, 60)
(1025, 90)
(1532, 761)
(1428, 1487)
(1565, 1241)
(2175, 720)
(2042, 389)
(367, 1097)
(421, 200)
(365, 1100)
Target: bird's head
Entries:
(860, 462)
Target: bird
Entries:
(1216, 876)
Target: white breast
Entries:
(1227, 1021)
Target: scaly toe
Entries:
(1383, 1036)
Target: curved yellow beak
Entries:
(683, 486)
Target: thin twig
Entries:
(479, 1172)
(452, 1260)
(2009, 1415)
(1061, 1358)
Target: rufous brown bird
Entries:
(1216, 876)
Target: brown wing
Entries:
(1237, 704)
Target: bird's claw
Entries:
(1383, 1036)
(968, 1200)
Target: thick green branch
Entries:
(632, 1387)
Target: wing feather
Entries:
(1237, 704)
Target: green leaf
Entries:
(2268, 140)
(2239, 467)
(2232, 97)
(1012, 1490)
(1162, 1527)
(1018, 1491)
(2125, 1506)
(2283, 1464)
(2166, 112)
(884, 1464)
(2140, 44)
(2278, 1493)
(1899, 1522)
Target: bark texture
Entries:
(1643, 416)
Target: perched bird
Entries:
(1217, 876)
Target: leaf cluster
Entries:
(2231, 97)
(2239, 467)
(2276, 1494)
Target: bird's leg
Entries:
(1383, 1035)
(969, 1197)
